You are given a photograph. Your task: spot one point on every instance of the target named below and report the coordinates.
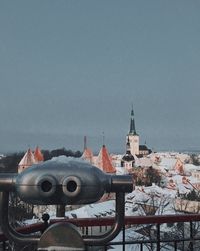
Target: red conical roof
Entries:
(104, 161)
(38, 155)
(27, 161)
(88, 155)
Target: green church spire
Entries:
(132, 124)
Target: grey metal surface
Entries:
(7, 181)
(61, 236)
(68, 183)
(114, 231)
(52, 183)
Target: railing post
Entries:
(191, 236)
(4, 245)
(158, 237)
(123, 236)
(175, 246)
(45, 218)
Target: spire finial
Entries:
(103, 138)
(132, 111)
(85, 142)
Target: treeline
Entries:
(10, 162)
(58, 152)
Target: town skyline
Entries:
(74, 68)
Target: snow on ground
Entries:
(103, 209)
(132, 235)
(161, 197)
(167, 163)
(191, 167)
(152, 196)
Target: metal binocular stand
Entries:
(56, 183)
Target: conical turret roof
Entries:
(104, 161)
(87, 155)
(38, 155)
(27, 161)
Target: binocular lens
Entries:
(71, 186)
(46, 186)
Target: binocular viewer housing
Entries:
(73, 182)
(53, 183)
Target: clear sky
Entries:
(74, 68)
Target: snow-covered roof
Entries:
(102, 209)
(167, 163)
(190, 167)
(144, 162)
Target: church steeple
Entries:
(132, 124)
(132, 136)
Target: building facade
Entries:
(134, 140)
(133, 137)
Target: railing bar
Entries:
(153, 241)
(157, 220)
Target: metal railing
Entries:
(165, 232)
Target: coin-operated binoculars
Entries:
(55, 183)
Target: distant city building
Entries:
(133, 137)
(196, 174)
(30, 159)
(87, 153)
(109, 163)
(143, 150)
(128, 159)
(38, 155)
(27, 161)
(135, 148)
(104, 161)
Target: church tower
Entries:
(133, 137)
(128, 159)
